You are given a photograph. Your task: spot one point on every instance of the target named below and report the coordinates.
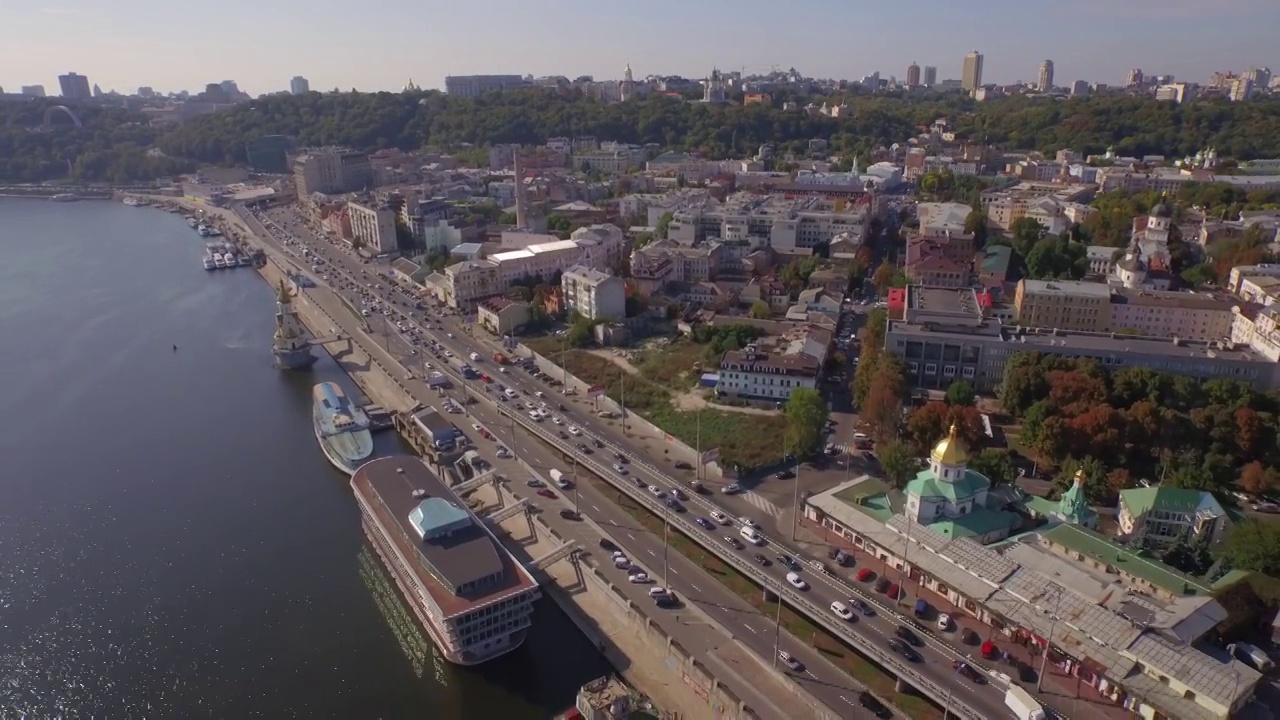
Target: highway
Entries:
(349, 274)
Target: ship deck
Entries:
(468, 554)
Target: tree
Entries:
(1256, 480)
(994, 464)
(1024, 233)
(899, 463)
(760, 310)
(1253, 545)
(960, 392)
(884, 277)
(663, 226)
(806, 415)
(976, 225)
(882, 408)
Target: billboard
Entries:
(595, 391)
(710, 456)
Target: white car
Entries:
(944, 621)
(747, 522)
(841, 610)
(657, 491)
(557, 420)
(619, 469)
(657, 591)
(504, 453)
(639, 578)
(797, 582)
(534, 416)
(476, 427)
(720, 517)
(502, 370)
(622, 563)
(573, 430)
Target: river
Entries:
(172, 542)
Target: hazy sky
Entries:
(379, 44)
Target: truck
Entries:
(1022, 704)
(437, 380)
(501, 359)
(442, 433)
(560, 480)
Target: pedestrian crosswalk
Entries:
(761, 503)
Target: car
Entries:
(700, 488)
(656, 491)
(705, 523)
(784, 474)
(874, 706)
(656, 591)
(568, 514)
(789, 563)
(862, 607)
(894, 592)
(640, 483)
(882, 584)
(682, 465)
(944, 621)
(533, 483)
(841, 610)
(797, 582)
(866, 575)
(608, 545)
(582, 448)
(790, 661)
(563, 436)
(905, 650)
(622, 562)
(720, 517)
(621, 458)
(547, 493)
(762, 560)
(596, 441)
(969, 672)
(557, 420)
(674, 504)
(503, 452)
(667, 601)
(732, 489)
(906, 633)
(573, 430)
(679, 494)
(733, 542)
(617, 467)
(747, 522)
(639, 578)
(476, 427)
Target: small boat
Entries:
(208, 263)
(204, 231)
(131, 201)
(218, 261)
(229, 259)
(65, 197)
(245, 260)
(192, 222)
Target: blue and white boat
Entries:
(341, 427)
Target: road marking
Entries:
(695, 587)
(633, 537)
(806, 672)
(846, 699)
(750, 628)
(593, 507)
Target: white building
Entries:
(785, 224)
(465, 283)
(594, 294)
(754, 373)
(374, 226)
(1164, 515)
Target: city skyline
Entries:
(164, 54)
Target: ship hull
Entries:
(514, 640)
(361, 442)
(300, 359)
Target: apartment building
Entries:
(594, 294)
(610, 158)
(1261, 289)
(1054, 206)
(464, 284)
(1235, 280)
(475, 85)
(755, 374)
(668, 261)
(1163, 515)
(603, 245)
(1169, 314)
(785, 223)
(1064, 305)
(1257, 329)
(332, 171)
(940, 252)
(1169, 180)
(373, 226)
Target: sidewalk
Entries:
(1063, 691)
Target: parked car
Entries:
(608, 545)
(790, 661)
(874, 706)
(866, 575)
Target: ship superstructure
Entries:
(292, 343)
(473, 598)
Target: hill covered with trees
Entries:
(370, 121)
(112, 146)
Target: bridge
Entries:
(560, 553)
(509, 511)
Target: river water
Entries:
(172, 542)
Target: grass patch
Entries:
(747, 440)
(846, 658)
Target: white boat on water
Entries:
(218, 261)
(204, 231)
(131, 201)
(208, 263)
(245, 260)
(230, 260)
(191, 221)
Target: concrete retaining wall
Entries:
(636, 425)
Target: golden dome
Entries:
(951, 450)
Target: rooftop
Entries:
(943, 217)
(463, 565)
(1139, 501)
(1125, 560)
(1067, 287)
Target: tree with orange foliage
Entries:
(929, 423)
(1074, 392)
(1255, 479)
(1248, 430)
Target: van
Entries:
(922, 608)
(751, 535)
(559, 479)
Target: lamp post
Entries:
(795, 501)
(1048, 642)
(777, 626)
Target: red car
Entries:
(866, 575)
(893, 591)
(486, 378)
(544, 492)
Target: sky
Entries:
(381, 44)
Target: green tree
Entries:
(994, 464)
(507, 218)
(961, 392)
(760, 310)
(1025, 233)
(806, 415)
(579, 333)
(976, 224)
(664, 224)
(899, 463)
(1253, 545)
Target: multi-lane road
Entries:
(357, 280)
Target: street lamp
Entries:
(1048, 642)
(777, 626)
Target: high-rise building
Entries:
(930, 75)
(1135, 77)
(1259, 77)
(74, 87)
(913, 75)
(299, 85)
(971, 72)
(1046, 76)
(1241, 89)
(33, 90)
(1080, 88)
